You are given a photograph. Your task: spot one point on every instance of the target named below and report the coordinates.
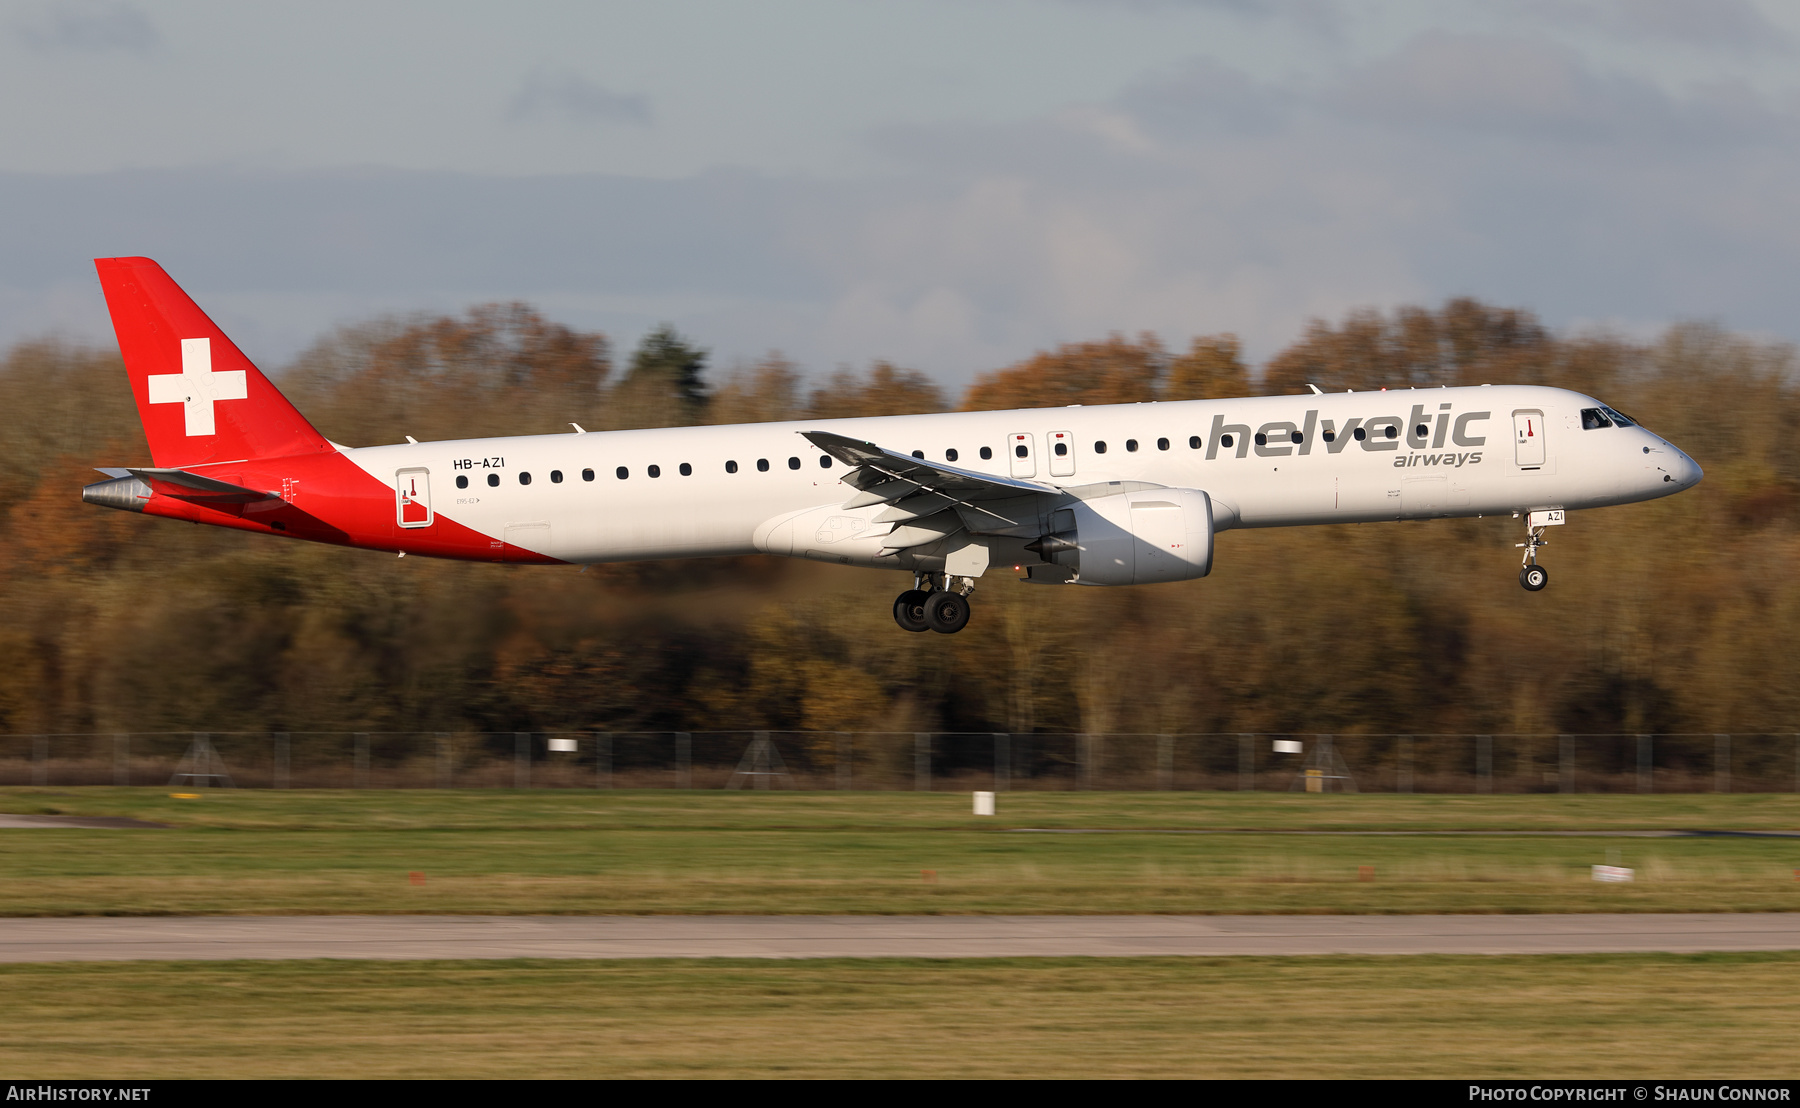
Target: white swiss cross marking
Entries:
(197, 387)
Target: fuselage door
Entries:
(1528, 438)
(1019, 448)
(1062, 453)
(412, 497)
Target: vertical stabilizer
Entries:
(200, 398)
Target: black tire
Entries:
(947, 612)
(909, 610)
(1534, 578)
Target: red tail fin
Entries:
(200, 399)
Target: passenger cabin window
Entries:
(762, 465)
(556, 477)
(623, 473)
(687, 470)
(1393, 432)
(1021, 450)
(1298, 437)
(950, 454)
(1099, 448)
(1131, 446)
(1162, 444)
(493, 480)
(1592, 419)
(730, 467)
(1359, 434)
(587, 475)
(920, 454)
(524, 478)
(987, 453)
(654, 471)
(825, 460)
(1062, 449)
(1225, 440)
(462, 482)
(1330, 436)
(793, 463)
(1423, 430)
(1262, 439)
(1193, 442)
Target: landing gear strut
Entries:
(1531, 575)
(935, 604)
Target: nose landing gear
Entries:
(1531, 575)
(935, 604)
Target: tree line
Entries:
(1676, 616)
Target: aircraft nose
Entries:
(1685, 471)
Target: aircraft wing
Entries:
(192, 486)
(927, 501)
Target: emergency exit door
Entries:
(1019, 450)
(1528, 438)
(1061, 445)
(412, 497)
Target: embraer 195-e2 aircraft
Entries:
(1119, 494)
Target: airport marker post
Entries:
(278, 775)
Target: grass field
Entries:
(1638, 1016)
(491, 851)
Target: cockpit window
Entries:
(1619, 417)
(1593, 419)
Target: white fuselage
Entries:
(1484, 450)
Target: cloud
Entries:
(1534, 89)
(87, 26)
(571, 98)
(1199, 200)
(1204, 96)
(1323, 17)
(1730, 24)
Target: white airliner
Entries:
(1119, 494)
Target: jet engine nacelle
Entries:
(1133, 538)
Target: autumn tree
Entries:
(884, 390)
(1116, 371)
(1212, 367)
(499, 369)
(763, 392)
(1463, 343)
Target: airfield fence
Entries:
(912, 760)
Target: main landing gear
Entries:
(1531, 575)
(931, 606)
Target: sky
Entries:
(947, 184)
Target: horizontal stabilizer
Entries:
(192, 486)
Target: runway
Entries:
(416, 937)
